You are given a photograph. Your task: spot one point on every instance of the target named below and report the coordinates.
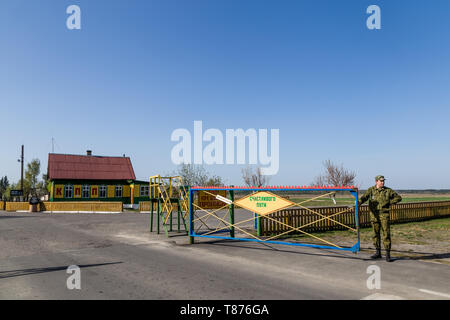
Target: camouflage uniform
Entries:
(380, 201)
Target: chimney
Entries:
(89, 152)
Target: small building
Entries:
(94, 178)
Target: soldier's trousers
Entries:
(380, 222)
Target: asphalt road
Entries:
(120, 259)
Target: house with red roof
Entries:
(94, 178)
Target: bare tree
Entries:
(336, 176)
(194, 175)
(256, 178)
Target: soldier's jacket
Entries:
(380, 199)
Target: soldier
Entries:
(380, 199)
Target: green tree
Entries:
(32, 173)
(4, 184)
(31, 183)
(44, 186)
(35, 186)
(16, 186)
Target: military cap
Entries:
(379, 177)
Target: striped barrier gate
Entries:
(237, 211)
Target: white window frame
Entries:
(86, 188)
(68, 188)
(145, 191)
(116, 189)
(103, 188)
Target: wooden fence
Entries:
(17, 206)
(145, 206)
(403, 212)
(73, 206)
(95, 206)
(2, 205)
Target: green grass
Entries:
(325, 201)
(435, 232)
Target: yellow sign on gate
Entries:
(208, 200)
(264, 203)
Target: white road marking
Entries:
(435, 293)
(382, 296)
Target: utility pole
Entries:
(21, 171)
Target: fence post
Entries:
(171, 214)
(179, 209)
(151, 216)
(231, 211)
(258, 226)
(158, 212)
(191, 214)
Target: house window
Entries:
(86, 191)
(102, 191)
(68, 191)
(144, 191)
(118, 192)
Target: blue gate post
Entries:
(355, 194)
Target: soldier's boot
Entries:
(388, 256)
(377, 255)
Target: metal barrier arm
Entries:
(208, 213)
(228, 225)
(232, 225)
(325, 217)
(298, 229)
(305, 225)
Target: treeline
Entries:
(32, 184)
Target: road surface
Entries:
(120, 259)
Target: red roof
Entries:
(67, 166)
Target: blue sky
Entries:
(377, 101)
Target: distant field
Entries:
(421, 199)
(344, 201)
(325, 201)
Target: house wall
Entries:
(94, 191)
